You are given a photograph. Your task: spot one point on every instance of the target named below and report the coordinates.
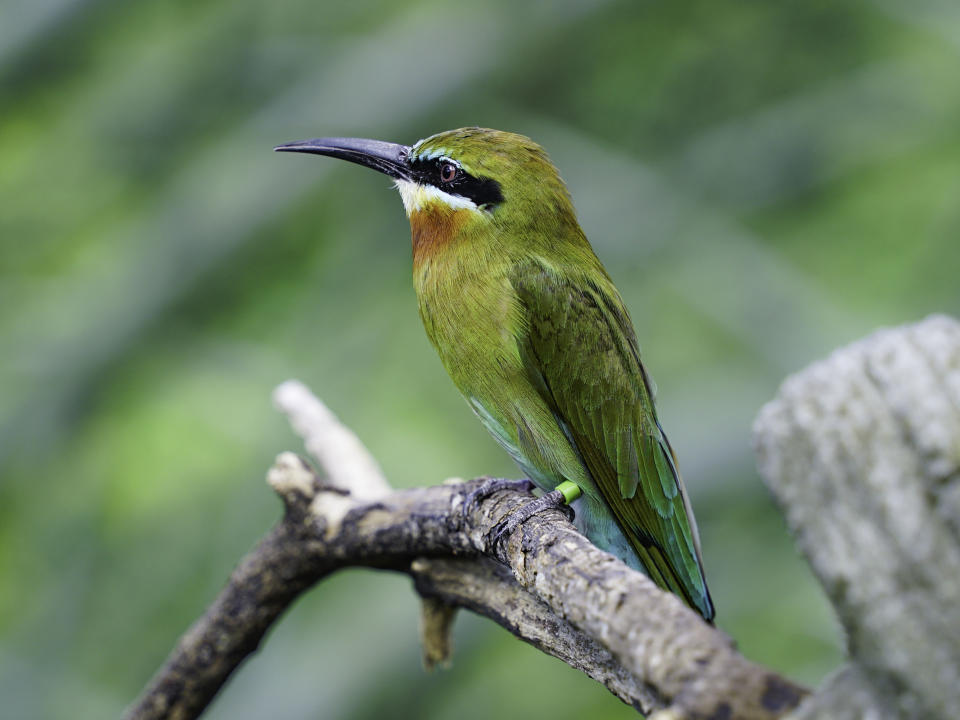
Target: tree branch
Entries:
(560, 593)
(862, 451)
(488, 588)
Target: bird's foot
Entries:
(489, 487)
(554, 499)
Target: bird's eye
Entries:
(448, 172)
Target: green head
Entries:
(492, 180)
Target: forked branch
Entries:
(547, 584)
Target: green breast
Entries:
(472, 316)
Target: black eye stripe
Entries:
(482, 191)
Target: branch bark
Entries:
(547, 584)
(862, 451)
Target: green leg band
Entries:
(570, 491)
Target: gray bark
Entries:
(862, 451)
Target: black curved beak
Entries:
(388, 158)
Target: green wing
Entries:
(580, 351)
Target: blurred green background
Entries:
(765, 181)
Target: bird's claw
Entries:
(491, 485)
(551, 500)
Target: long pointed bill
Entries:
(388, 158)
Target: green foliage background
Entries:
(765, 181)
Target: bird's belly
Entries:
(472, 323)
(474, 326)
(493, 380)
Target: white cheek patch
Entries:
(416, 196)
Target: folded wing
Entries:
(580, 350)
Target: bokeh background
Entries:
(765, 181)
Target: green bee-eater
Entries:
(536, 337)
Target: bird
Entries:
(533, 333)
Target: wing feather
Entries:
(579, 348)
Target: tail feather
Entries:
(596, 521)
